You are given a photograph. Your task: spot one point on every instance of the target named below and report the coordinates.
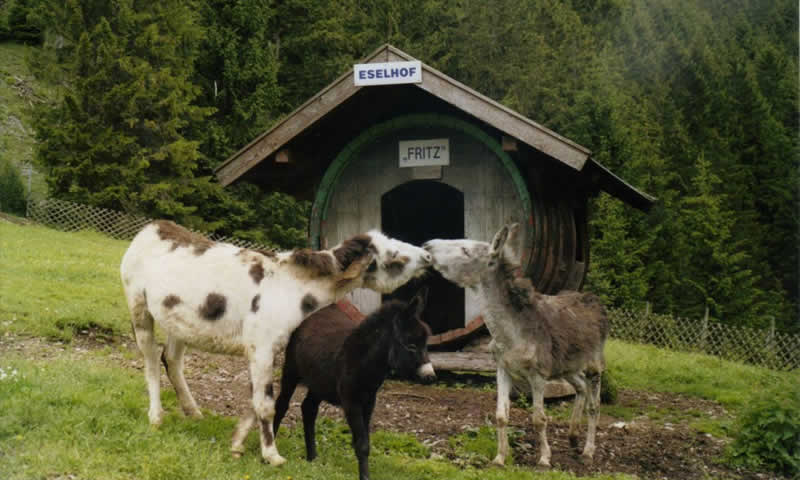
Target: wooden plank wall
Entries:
(490, 199)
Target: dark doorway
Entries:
(418, 211)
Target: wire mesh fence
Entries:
(71, 217)
(763, 347)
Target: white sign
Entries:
(387, 73)
(424, 153)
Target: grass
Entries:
(54, 283)
(645, 367)
(85, 415)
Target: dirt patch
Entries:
(657, 443)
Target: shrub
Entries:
(12, 189)
(608, 388)
(767, 433)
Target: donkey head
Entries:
(394, 263)
(465, 262)
(408, 353)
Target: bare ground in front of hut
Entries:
(650, 437)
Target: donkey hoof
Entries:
(543, 463)
(236, 455)
(499, 460)
(586, 459)
(196, 414)
(276, 460)
(157, 419)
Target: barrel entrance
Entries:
(416, 212)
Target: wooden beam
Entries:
(463, 361)
(283, 156)
(509, 144)
(484, 362)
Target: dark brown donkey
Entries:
(344, 362)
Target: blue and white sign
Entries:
(424, 153)
(391, 73)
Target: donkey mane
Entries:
(318, 264)
(375, 323)
(323, 263)
(180, 237)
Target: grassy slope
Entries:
(84, 415)
(54, 283)
(18, 90)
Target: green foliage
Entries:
(15, 23)
(273, 218)
(121, 136)
(12, 190)
(618, 275)
(767, 433)
(477, 446)
(693, 102)
(237, 73)
(608, 388)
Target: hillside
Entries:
(19, 90)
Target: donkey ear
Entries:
(421, 299)
(512, 243)
(356, 267)
(499, 240)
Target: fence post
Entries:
(704, 332)
(771, 356)
(643, 325)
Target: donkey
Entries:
(535, 337)
(221, 298)
(344, 363)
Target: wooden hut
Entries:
(428, 157)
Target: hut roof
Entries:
(453, 93)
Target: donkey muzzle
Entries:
(426, 372)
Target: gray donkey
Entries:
(535, 337)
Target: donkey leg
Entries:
(504, 385)
(578, 382)
(369, 407)
(143, 331)
(261, 363)
(310, 409)
(539, 418)
(243, 427)
(288, 386)
(593, 407)
(172, 357)
(354, 412)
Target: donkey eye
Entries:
(372, 267)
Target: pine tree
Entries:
(713, 266)
(121, 135)
(238, 71)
